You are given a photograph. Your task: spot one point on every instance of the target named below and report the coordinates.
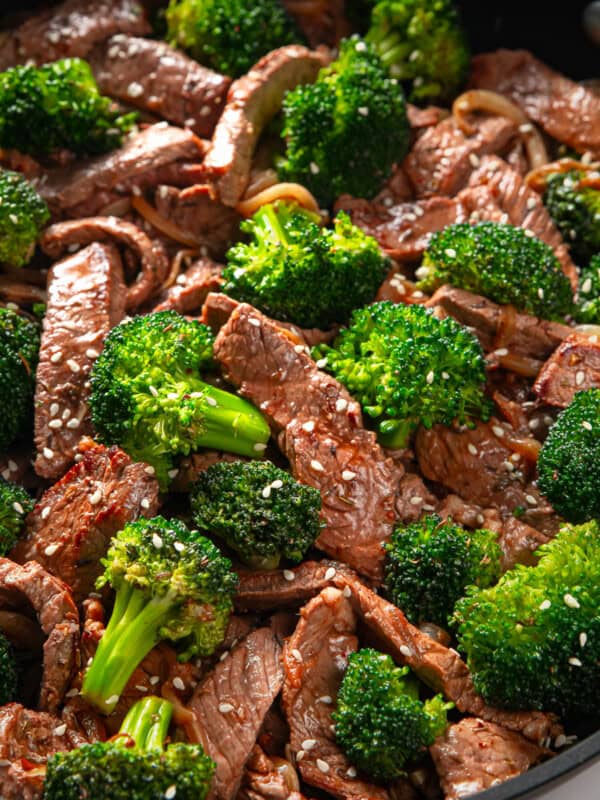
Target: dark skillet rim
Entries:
(539, 776)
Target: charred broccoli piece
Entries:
(58, 105)
(380, 723)
(423, 44)
(259, 510)
(430, 563)
(500, 261)
(229, 35)
(170, 583)
(19, 347)
(574, 205)
(406, 367)
(136, 764)
(297, 271)
(23, 214)
(344, 132)
(588, 294)
(15, 504)
(533, 640)
(8, 672)
(148, 395)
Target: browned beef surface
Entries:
(566, 110)
(32, 736)
(474, 755)
(156, 77)
(69, 529)
(30, 588)
(323, 22)
(230, 704)
(216, 310)
(86, 298)
(145, 160)
(573, 367)
(191, 287)
(252, 102)
(268, 778)
(71, 28)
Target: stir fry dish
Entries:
(299, 403)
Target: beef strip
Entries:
(474, 755)
(70, 29)
(86, 294)
(156, 77)
(151, 253)
(322, 435)
(145, 160)
(230, 704)
(191, 287)
(566, 110)
(27, 739)
(573, 367)
(438, 666)
(30, 586)
(69, 529)
(268, 778)
(252, 102)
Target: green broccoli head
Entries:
(406, 367)
(170, 583)
(259, 510)
(569, 460)
(380, 723)
(15, 504)
(19, 347)
(533, 640)
(134, 765)
(9, 680)
(147, 395)
(229, 35)
(430, 563)
(23, 214)
(574, 205)
(58, 105)
(423, 44)
(297, 271)
(500, 261)
(345, 131)
(588, 294)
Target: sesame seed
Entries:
(323, 766)
(322, 362)
(74, 423)
(224, 708)
(330, 574)
(178, 684)
(73, 366)
(211, 401)
(149, 470)
(446, 376)
(363, 111)
(502, 351)
(288, 575)
(114, 698)
(266, 492)
(317, 466)
(51, 549)
(540, 293)
(314, 168)
(157, 541)
(179, 546)
(430, 377)
(172, 473)
(45, 513)
(348, 475)
(255, 322)
(360, 47)
(60, 730)
(450, 252)
(575, 662)
(580, 377)
(6, 474)
(341, 404)
(587, 425)
(472, 449)
(474, 159)
(47, 453)
(153, 391)
(347, 592)
(325, 699)
(96, 497)
(531, 203)
(135, 89)
(583, 639)
(54, 409)
(299, 348)
(560, 741)
(91, 353)
(18, 507)
(66, 413)
(309, 426)
(531, 499)
(154, 680)
(72, 693)
(527, 127)
(570, 601)
(545, 605)
(498, 431)
(55, 424)
(416, 500)
(297, 654)
(141, 688)
(300, 755)
(171, 792)
(308, 744)
(277, 484)
(351, 772)
(259, 447)
(586, 286)
(406, 651)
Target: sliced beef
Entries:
(230, 704)
(86, 298)
(70, 29)
(30, 587)
(216, 310)
(323, 22)
(474, 755)
(519, 541)
(191, 287)
(322, 435)
(252, 102)
(151, 253)
(573, 367)
(268, 778)
(156, 77)
(438, 666)
(69, 529)
(567, 111)
(155, 155)
(27, 739)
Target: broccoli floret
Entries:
(170, 583)
(588, 294)
(58, 105)
(136, 764)
(380, 723)
(8, 672)
(259, 510)
(297, 271)
(15, 504)
(345, 131)
(533, 640)
(23, 214)
(423, 44)
(229, 35)
(569, 461)
(19, 347)
(430, 563)
(405, 367)
(575, 209)
(147, 395)
(500, 261)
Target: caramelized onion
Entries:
(279, 191)
(151, 215)
(537, 178)
(175, 268)
(527, 446)
(520, 365)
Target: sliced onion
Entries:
(279, 191)
(151, 215)
(537, 178)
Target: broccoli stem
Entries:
(270, 223)
(147, 723)
(231, 424)
(395, 433)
